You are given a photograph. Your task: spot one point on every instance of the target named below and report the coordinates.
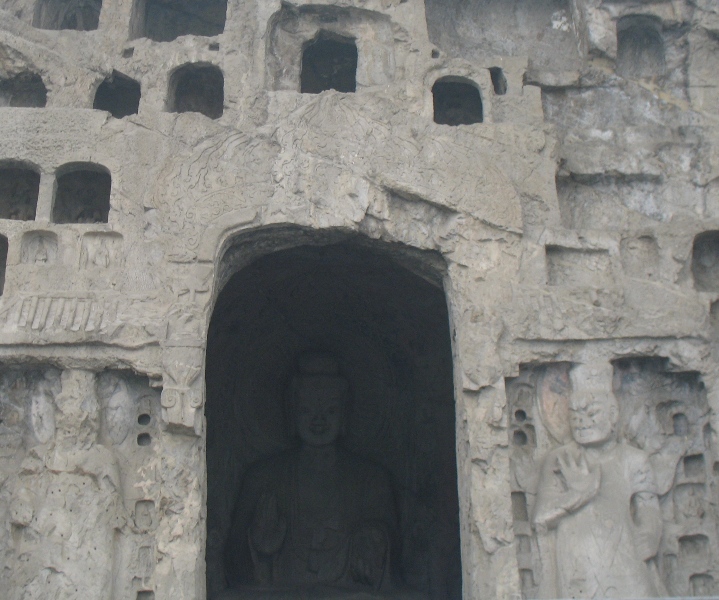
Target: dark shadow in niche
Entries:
(705, 261)
(119, 95)
(164, 21)
(456, 102)
(378, 318)
(82, 194)
(19, 187)
(640, 48)
(3, 262)
(499, 81)
(25, 90)
(329, 62)
(80, 15)
(197, 88)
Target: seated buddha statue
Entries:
(316, 516)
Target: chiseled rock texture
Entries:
(575, 227)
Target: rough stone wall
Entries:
(574, 225)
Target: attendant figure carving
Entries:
(315, 515)
(598, 496)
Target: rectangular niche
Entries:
(19, 187)
(164, 21)
(664, 445)
(80, 15)
(578, 267)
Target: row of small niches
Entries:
(200, 88)
(82, 193)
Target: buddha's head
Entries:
(319, 401)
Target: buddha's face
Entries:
(319, 416)
(592, 418)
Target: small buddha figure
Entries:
(598, 496)
(316, 515)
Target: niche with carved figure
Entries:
(197, 88)
(39, 248)
(639, 448)
(19, 187)
(24, 90)
(119, 95)
(164, 21)
(457, 102)
(330, 405)
(82, 194)
(80, 15)
(640, 47)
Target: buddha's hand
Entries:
(368, 555)
(268, 529)
(582, 481)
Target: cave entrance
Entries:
(351, 327)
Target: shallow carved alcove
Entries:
(456, 102)
(25, 90)
(197, 88)
(164, 21)
(314, 48)
(80, 15)
(363, 489)
(19, 188)
(119, 95)
(640, 48)
(82, 195)
(329, 63)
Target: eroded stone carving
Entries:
(317, 514)
(621, 508)
(600, 496)
(64, 474)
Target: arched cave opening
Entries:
(119, 95)
(82, 194)
(198, 88)
(19, 188)
(456, 102)
(329, 62)
(363, 331)
(640, 47)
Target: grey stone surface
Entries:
(471, 280)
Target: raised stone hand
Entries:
(269, 527)
(579, 477)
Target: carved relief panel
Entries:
(78, 487)
(612, 481)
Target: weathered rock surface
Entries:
(161, 272)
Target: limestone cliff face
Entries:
(502, 194)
